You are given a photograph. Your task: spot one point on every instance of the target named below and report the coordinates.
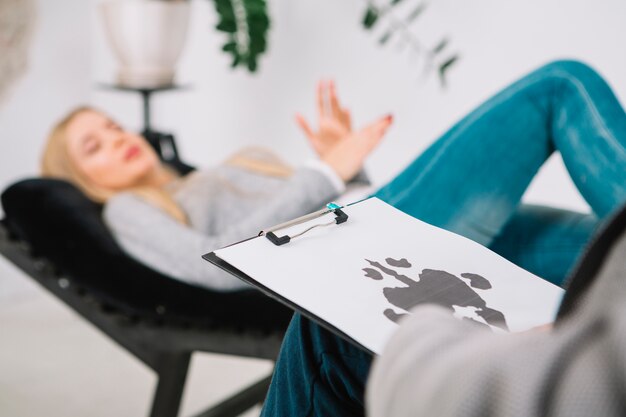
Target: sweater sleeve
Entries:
(437, 365)
(154, 238)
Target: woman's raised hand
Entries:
(346, 158)
(334, 120)
(334, 141)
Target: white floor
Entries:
(53, 363)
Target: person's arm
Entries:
(159, 241)
(437, 365)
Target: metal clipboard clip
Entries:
(340, 217)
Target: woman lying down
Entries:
(167, 221)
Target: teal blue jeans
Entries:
(470, 181)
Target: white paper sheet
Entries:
(344, 274)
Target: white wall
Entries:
(58, 78)
(310, 39)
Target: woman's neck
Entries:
(160, 177)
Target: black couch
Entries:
(57, 236)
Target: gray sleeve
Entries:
(436, 365)
(361, 178)
(154, 238)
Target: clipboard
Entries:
(323, 270)
(270, 233)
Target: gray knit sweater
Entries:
(224, 205)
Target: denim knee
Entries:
(566, 69)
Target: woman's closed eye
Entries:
(91, 145)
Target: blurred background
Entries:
(54, 363)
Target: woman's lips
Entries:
(132, 152)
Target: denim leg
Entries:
(317, 374)
(545, 241)
(470, 181)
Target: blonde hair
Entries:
(57, 163)
(261, 161)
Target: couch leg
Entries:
(240, 402)
(171, 371)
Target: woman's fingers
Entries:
(375, 131)
(346, 119)
(308, 132)
(329, 107)
(304, 125)
(335, 108)
(339, 113)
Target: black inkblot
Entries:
(476, 281)
(398, 263)
(391, 272)
(439, 287)
(372, 273)
(392, 315)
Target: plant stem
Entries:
(242, 36)
(401, 26)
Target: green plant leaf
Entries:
(415, 13)
(386, 36)
(371, 16)
(244, 50)
(440, 46)
(236, 61)
(229, 47)
(397, 30)
(227, 26)
(445, 67)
